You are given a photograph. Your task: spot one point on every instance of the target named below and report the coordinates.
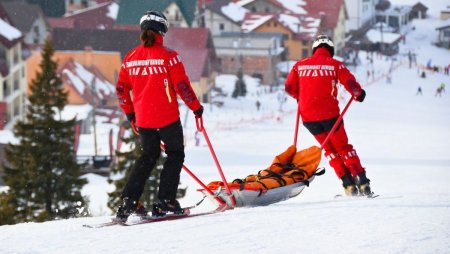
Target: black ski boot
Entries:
(165, 206)
(129, 207)
(349, 185)
(363, 184)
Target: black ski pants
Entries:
(172, 136)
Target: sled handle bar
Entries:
(297, 122)
(336, 124)
(221, 202)
(201, 128)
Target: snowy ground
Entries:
(402, 140)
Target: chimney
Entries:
(88, 56)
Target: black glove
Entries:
(199, 112)
(361, 97)
(131, 117)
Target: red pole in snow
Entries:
(336, 124)
(201, 128)
(221, 202)
(296, 126)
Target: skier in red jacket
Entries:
(313, 82)
(149, 81)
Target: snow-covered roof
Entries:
(234, 11)
(300, 24)
(113, 10)
(9, 32)
(294, 6)
(81, 78)
(253, 21)
(79, 111)
(376, 36)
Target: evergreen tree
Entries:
(42, 171)
(240, 88)
(126, 162)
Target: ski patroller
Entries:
(232, 197)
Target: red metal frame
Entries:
(201, 128)
(336, 124)
(221, 201)
(297, 123)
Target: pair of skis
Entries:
(152, 219)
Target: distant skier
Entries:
(419, 91)
(155, 76)
(313, 82)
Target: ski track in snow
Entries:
(402, 140)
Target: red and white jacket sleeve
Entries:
(123, 90)
(181, 82)
(347, 79)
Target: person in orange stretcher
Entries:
(313, 83)
(149, 81)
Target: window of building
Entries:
(6, 89)
(16, 55)
(305, 53)
(222, 26)
(16, 80)
(253, 9)
(16, 106)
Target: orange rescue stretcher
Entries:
(287, 176)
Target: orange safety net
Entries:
(287, 168)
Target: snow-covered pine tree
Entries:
(240, 88)
(42, 170)
(126, 161)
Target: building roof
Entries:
(420, 6)
(81, 77)
(22, 14)
(131, 11)
(303, 26)
(9, 35)
(185, 41)
(102, 16)
(60, 22)
(229, 10)
(329, 9)
(102, 40)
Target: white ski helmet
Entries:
(154, 20)
(323, 41)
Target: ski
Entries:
(372, 196)
(105, 224)
(168, 217)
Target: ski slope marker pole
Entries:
(201, 128)
(221, 202)
(297, 122)
(336, 124)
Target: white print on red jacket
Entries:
(313, 82)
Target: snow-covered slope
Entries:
(402, 139)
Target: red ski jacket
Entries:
(154, 75)
(313, 82)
